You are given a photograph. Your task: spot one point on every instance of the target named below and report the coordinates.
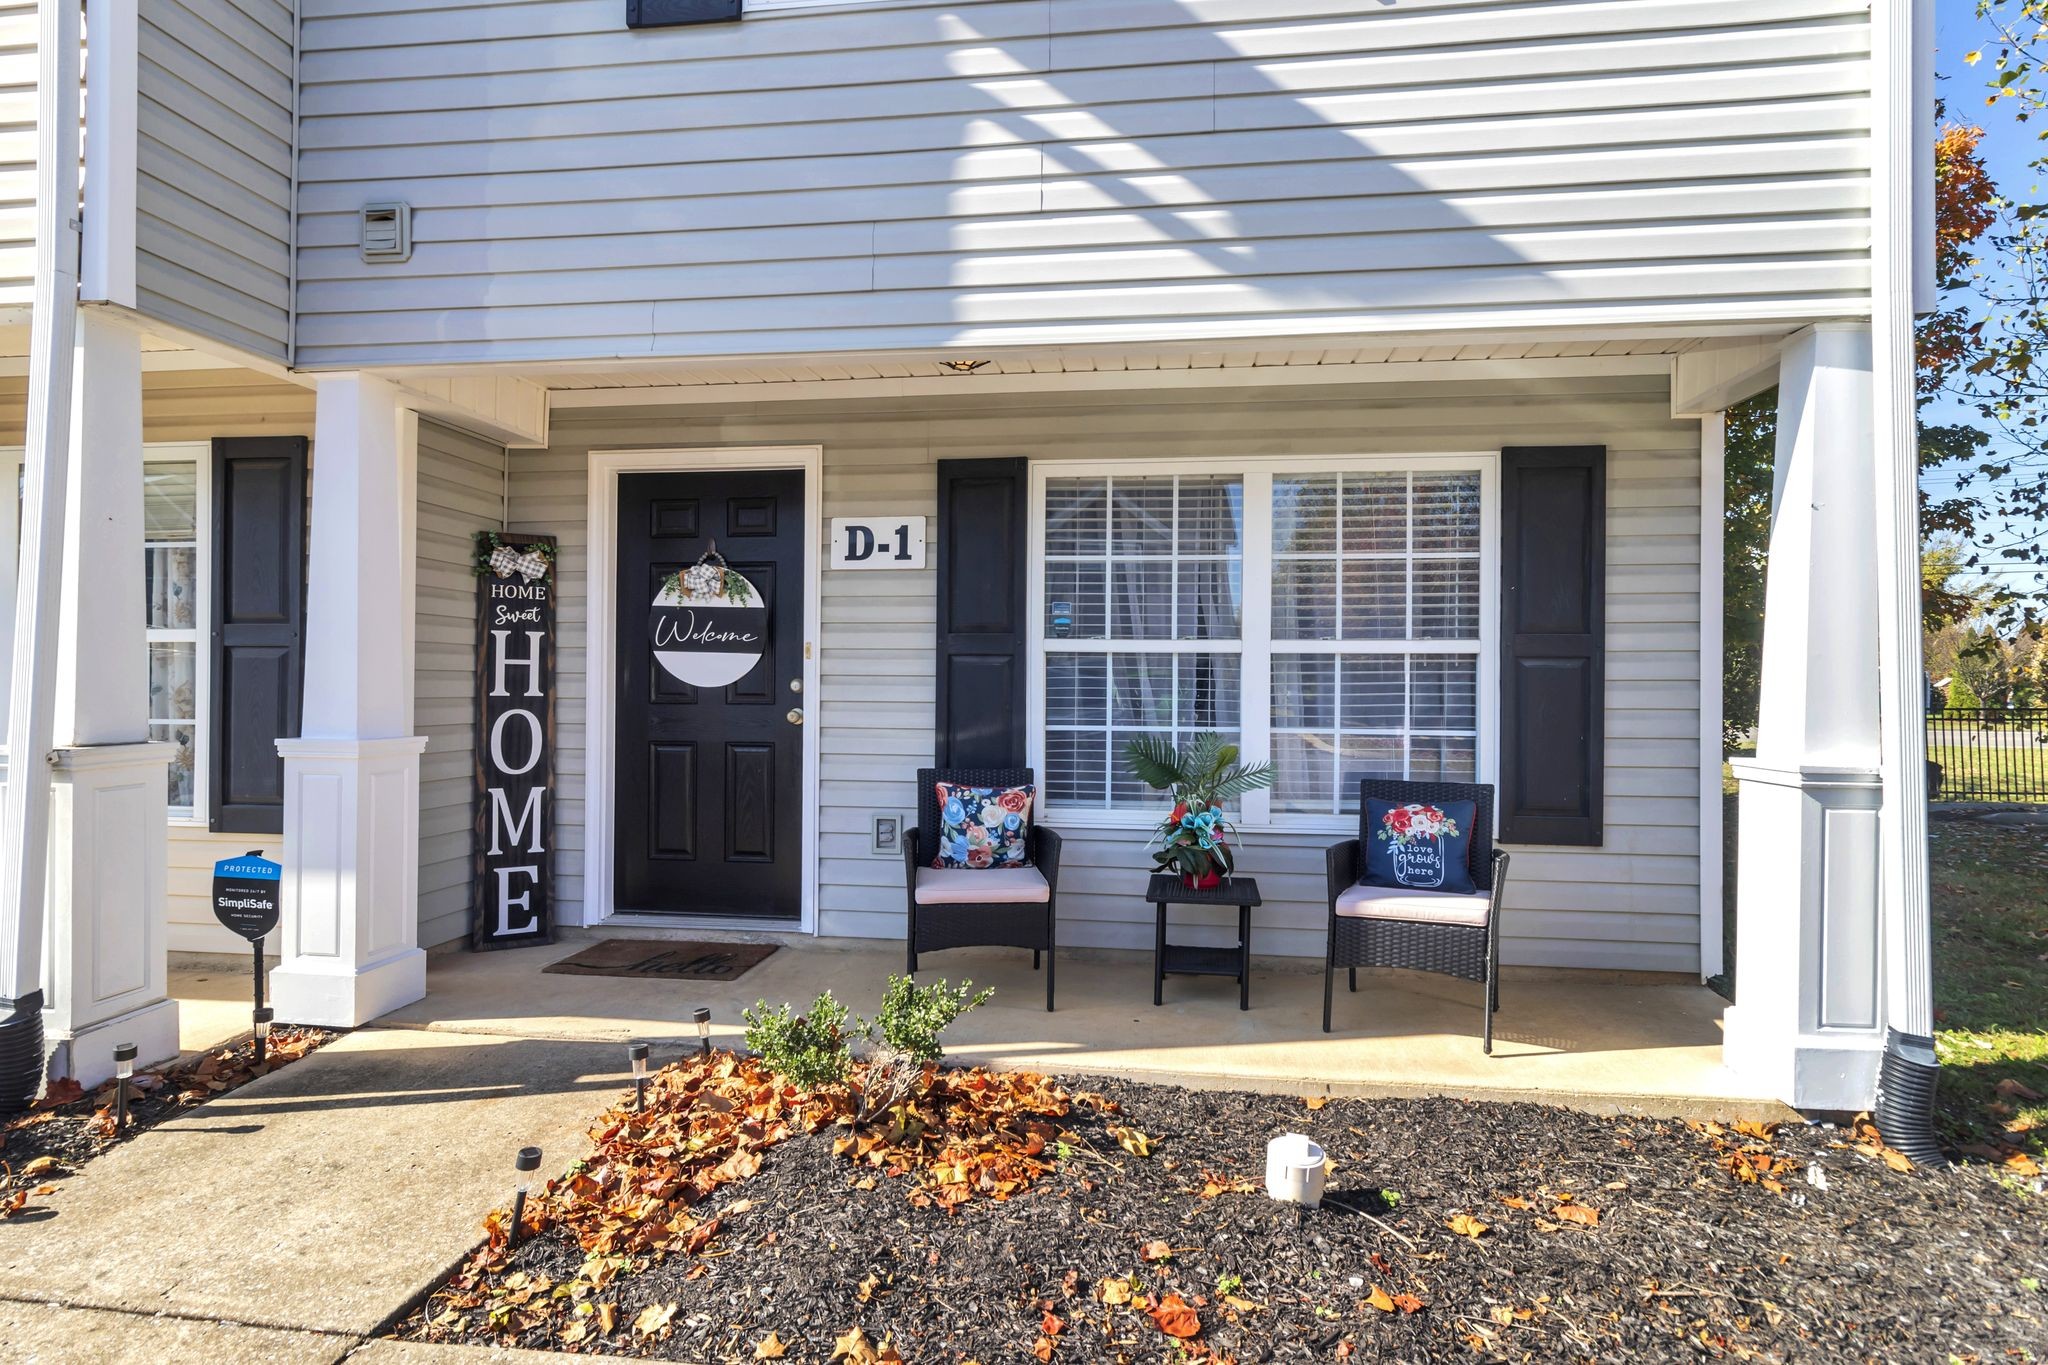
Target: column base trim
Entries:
(328, 993)
(1833, 1072)
(86, 1054)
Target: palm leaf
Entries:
(1154, 761)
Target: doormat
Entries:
(664, 960)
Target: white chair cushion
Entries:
(981, 886)
(1417, 907)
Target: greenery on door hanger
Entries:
(710, 576)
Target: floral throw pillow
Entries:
(984, 826)
(1420, 846)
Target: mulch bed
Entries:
(70, 1126)
(1451, 1231)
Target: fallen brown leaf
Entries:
(1465, 1225)
(770, 1347)
(1173, 1316)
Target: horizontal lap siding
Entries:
(461, 492)
(199, 405)
(1047, 171)
(18, 40)
(214, 173)
(1632, 904)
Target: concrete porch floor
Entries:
(1585, 1040)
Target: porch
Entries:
(1602, 1042)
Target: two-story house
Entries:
(1341, 375)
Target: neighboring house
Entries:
(1345, 375)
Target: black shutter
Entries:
(671, 13)
(259, 568)
(983, 555)
(1553, 644)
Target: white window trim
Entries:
(201, 455)
(1256, 644)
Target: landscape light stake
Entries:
(526, 1163)
(703, 1017)
(124, 1067)
(638, 1053)
(264, 1014)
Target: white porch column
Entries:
(105, 960)
(1809, 1013)
(352, 779)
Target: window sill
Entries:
(1071, 822)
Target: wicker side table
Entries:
(1183, 959)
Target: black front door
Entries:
(710, 772)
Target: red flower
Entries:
(1016, 800)
(1180, 808)
(980, 856)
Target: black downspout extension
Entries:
(21, 1053)
(1905, 1098)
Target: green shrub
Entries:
(809, 1051)
(913, 1016)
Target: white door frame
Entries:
(600, 805)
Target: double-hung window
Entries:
(174, 555)
(1333, 616)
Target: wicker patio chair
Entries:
(1422, 930)
(1018, 912)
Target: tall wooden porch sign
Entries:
(513, 889)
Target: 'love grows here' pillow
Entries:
(1420, 846)
(983, 826)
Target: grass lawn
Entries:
(1991, 984)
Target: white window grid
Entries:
(1410, 647)
(1256, 647)
(198, 634)
(1111, 647)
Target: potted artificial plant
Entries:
(1194, 838)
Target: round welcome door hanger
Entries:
(709, 625)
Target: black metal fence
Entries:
(1988, 754)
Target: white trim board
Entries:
(1713, 500)
(600, 807)
(1109, 381)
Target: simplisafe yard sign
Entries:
(245, 894)
(878, 542)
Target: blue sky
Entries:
(2008, 149)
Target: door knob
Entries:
(795, 716)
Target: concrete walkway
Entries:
(290, 1222)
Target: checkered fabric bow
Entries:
(506, 561)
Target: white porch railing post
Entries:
(1808, 1018)
(106, 960)
(351, 883)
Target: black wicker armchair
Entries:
(1429, 931)
(1012, 922)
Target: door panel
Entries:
(710, 779)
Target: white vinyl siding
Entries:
(986, 172)
(18, 60)
(461, 492)
(214, 168)
(1633, 903)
